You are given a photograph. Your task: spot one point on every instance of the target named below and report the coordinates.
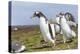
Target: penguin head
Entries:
(61, 14)
(38, 14)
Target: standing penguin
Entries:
(67, 32)
(47, 29)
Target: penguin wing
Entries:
(53, 30)
(71, 34)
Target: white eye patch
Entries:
(37, 12)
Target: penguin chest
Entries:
(43, 25)
(57, 29)
(57, 19)
(64, 25)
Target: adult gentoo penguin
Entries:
(67, 32)
(47, 30)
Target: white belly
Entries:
(57, 28)
(57, 19)
(44, 29)
(65, 28)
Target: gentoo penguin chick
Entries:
(47, 30)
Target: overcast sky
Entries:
(22, 11)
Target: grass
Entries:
(31, 38)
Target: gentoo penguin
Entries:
(47, 29)
(70, 22)
(67, 32)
